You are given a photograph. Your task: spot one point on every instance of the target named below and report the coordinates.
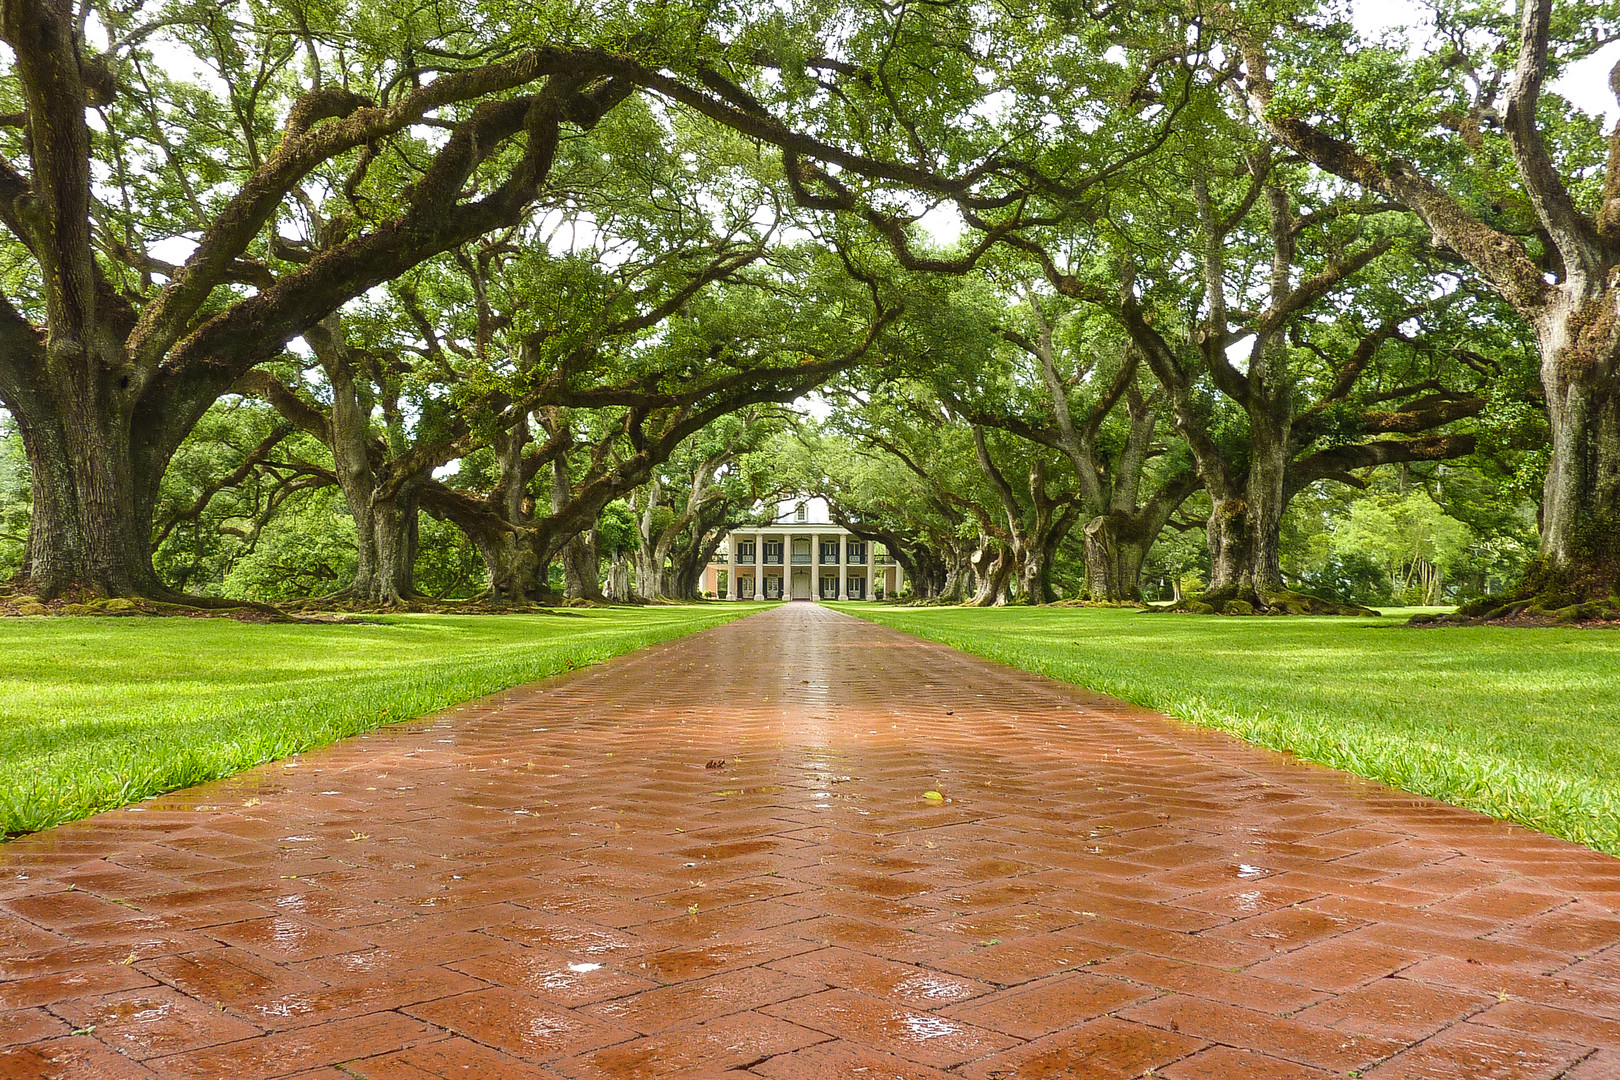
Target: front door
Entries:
(801, 584)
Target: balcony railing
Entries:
(800, 560)
(743, 560)
(829, 560)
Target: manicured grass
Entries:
(1521, 724)
(98, 712)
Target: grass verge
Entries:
(96, 713)
(1522, 724)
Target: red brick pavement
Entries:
(552, 884)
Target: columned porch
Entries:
(807, 561)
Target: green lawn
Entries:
(1521, 724)
(98, 712)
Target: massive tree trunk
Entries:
(649, 577)
(992, 567)
(72, 389)
(928, 568)
(708, 532)
(618, 578)
(686, 583)
(1244, 530)
(385, 531)
(582, 574)
(382, 503)
(1245, 526)
(924, 571)
(509, 555)
(1118, 540)
(1032, 559)
(649, 559)
(1115, 551)
(950, 588)
(389, 538)
(1039, 552)
(1579, 341)
(1055, 536)
(656, 578)
(91, 529)
(923, 582)
(581, 567)
(1034, 532)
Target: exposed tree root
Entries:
(1136, 605)
(166, 604)
(1546, 597)
(1529, 614)
(1247, 600)
(335, 608)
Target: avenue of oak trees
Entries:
(519, 295)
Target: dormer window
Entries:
(802, 513)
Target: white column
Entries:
(736, 582)
(843, 559)
(815, 561)
(815, 566)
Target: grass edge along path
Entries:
(1382, 744)
(99, 713)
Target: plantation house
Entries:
(801, 555)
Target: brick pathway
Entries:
(551, 883)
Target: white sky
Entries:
(1586, 84)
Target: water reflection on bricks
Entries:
(562, 881)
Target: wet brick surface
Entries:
(552, 883)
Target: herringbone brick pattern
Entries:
(553, 884)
